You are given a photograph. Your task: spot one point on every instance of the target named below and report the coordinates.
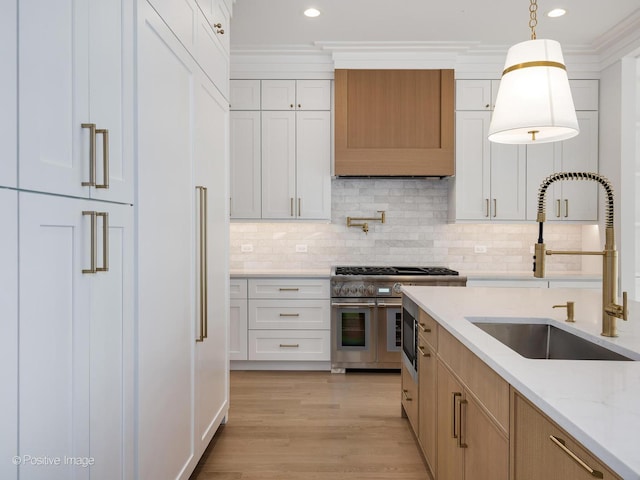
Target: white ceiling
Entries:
(273, 23)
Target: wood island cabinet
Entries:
(394, 122)
(541, 449)
(472, 425)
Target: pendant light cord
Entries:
(533, 18)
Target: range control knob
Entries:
(397, 288)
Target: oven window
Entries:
(353, 331)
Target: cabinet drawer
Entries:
(490, 389)
(289, 315)
(289, 345)
(410, 397)
(544, 450)
(289, 288)
(238, 288)
(428, 329)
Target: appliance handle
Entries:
(352, 305)
(389, 305)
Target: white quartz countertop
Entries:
(565, 276)
(598, 402)
(271, 273)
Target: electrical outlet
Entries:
(246, 248)
(301, 248)
(480, 249)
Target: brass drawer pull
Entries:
(289, 345)
(454, 428)
(423, 328)
(406, 395)
(105, 241)
(422, 352)
(289, 289)
(561, 443)
(92, 154)
(289, 314)
(105, 157)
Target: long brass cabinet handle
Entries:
(289, 345)
(566, 208)
(462, 406)
(423, 352)
(289, 314)
(562, 445)
(299, 207)
(92, 154)
(286, 289)
(105, 241)
(94, 239)
(202, 193)
(495, 208)
(423, 328)
(406, 395)
(558, 208)
(454, 428)
(486, 207)
(105, 157)
(291, 207)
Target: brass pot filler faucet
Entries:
(610, 309)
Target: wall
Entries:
(416, 232)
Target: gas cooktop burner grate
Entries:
(390, 271)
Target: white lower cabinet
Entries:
(9, 329)
(281, 319)
(76, 338)
(238, 320)
(299, 345)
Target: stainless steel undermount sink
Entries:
(543, 341)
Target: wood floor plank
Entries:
(313, 426)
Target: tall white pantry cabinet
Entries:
(96, 381)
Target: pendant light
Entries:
(534, 103)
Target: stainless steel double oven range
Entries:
(366, 312)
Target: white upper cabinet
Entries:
(476, 94)
(281, 155)
(490, 179)
(8, 95)
(296, 95)
(245, 94)
(246, 187)
(75, 98)
(569, 200)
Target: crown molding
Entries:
(621, 41)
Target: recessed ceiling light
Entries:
(556, 12)
(312, 12)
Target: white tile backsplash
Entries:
(416, 232)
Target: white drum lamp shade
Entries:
(534, 102)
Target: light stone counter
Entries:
(271, 273)
(598, 402)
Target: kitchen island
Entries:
(597, 402)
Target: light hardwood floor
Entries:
(313, 426)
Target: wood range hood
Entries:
(394, 123)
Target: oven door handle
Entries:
(389, 305)
(353, 305)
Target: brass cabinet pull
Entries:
(461, 404)
(291, 105)
(405, 392)
(289, 345)
(299, 206)
(495, 208)
(283, 289)
(557, 208)
(423, 328)
(203, 263)
(561, 443)
(92, 154)
(299, 106)
(291, 207)
(566, 208)
(105, 157)
(454, 429)
(94, 236)
(486, 207)
(422, 352)
(105, 241)
(289, 314)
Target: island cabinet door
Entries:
(544, 450)
(450, 455)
